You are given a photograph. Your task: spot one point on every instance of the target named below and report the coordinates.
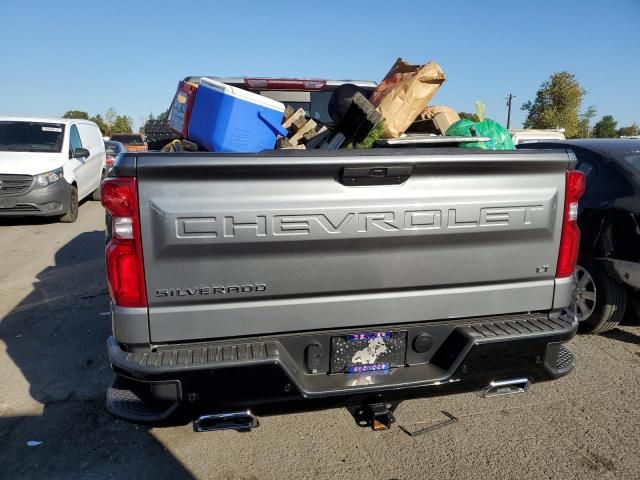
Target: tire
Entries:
(606, 312)
(72, 214)
(96, 195)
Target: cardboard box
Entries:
(443, 120)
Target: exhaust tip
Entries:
(506, 387)
(238, 421)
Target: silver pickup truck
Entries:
(289, 280)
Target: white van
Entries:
(47, 165)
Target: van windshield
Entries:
(23, 136)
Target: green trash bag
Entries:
(499, 138)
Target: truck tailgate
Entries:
(255, 244)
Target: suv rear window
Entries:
(111, 147)
(631, 160)
(319, 108)
(316, 104)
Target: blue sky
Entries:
(62, 55)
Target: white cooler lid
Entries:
(243, 94)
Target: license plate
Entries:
(370, 351)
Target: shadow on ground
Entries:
(56, 337)
(35, 220)
(623, 336)
(15, 221)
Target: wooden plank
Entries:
(309, 125)
(300, 113)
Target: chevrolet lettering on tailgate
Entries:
(350, 224)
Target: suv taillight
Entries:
(123, 253)
(570, 239)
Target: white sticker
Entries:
(370, 354)
(51, 129)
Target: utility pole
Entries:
(509, 100)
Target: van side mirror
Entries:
(81, 153)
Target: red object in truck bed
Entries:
(181, 106)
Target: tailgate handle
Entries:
(376, 175)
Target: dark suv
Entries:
(608, 271)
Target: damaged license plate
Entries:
(366, 352)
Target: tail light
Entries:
(570, 239)
(284, 83)
(125, 270)
(110, 159)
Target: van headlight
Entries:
(47, 178)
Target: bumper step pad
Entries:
(199, 355)
(565, 359)
(515, 328)
(125, 403)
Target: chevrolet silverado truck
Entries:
(247, 284)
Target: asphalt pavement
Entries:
(54, 372)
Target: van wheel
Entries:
(96, 195)
(72, 214)
(600, 302)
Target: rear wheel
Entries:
(599, 301)
(72, 214)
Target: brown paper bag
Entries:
(404, 93)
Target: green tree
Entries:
(122, 124)
(161, 118)
(556, 104)
(469, 116)
(76, 114)
(585, 121)
(98, 120)
(629, 131)
(605, 128)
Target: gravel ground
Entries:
(54, 372)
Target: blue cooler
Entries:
(229, 119)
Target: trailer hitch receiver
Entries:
(378, 415)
